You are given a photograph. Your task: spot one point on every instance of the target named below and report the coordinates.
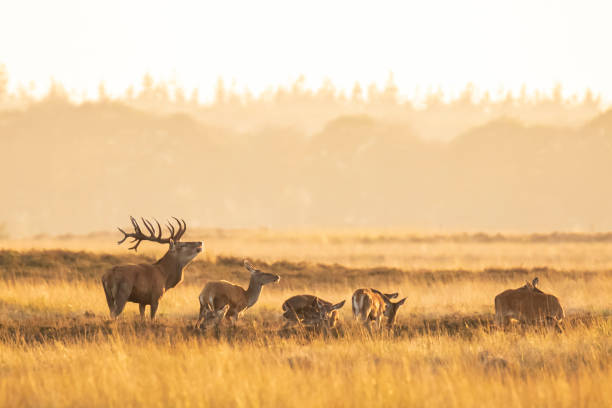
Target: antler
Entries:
(154, 235)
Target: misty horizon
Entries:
(426, 116)
(85, 167)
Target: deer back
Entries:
(312, 309)
(528, 305)
(145, 281)
(217, 294)
(301, 302)
(366, 299)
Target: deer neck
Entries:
(253, 292)
(171, 268)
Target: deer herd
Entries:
(220, 300)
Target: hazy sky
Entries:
(261, 43)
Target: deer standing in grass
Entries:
(218, 294)
(145, 284)
(309, 309)
(528, 304)
(371, 305)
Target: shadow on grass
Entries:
(89, 327)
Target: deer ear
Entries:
(338, 305)
(401, 302)
(171, 242)
(222, 312)
(249, 267)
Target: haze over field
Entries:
(439, 116)
(71, 168)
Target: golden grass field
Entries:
(58, 347)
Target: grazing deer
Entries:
(528, 304)
(145, 284)
(214, 316)
(218, 294)
(371, 305)
(311, 309)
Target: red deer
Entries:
(214, 316)
(218, 294)
(145, 284)
(528, 304)
(311, 309)
(371, 305)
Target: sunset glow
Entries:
(494, 45)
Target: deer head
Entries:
(533, 285)
(391, 310)
(328, 313)
(183, 251)
(216, 315)
(209, 316)
(258, 277)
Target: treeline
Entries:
(431, 114)
(70, 168)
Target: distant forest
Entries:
(434, 116)
(298, 158)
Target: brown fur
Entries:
(218, 294)
(310, 309)
(527, 304)
(371, 305)
(145, 284)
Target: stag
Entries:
(528, 304)
(371, 305)
(310, 309)
(217, 294)
(145, 284)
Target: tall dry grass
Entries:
(58, 348)
(486, 369)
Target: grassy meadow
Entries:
(58, 347)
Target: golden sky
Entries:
(260, 43)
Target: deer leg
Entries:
(123, 293)
(368, 325)
(154, 305)
(109, 298)
(379, 323)
(120, 305)
(499, 320)
(201, 317)
(365, 318)
(142, 307)
(236, 315)
(229, 314)
(559, 325)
